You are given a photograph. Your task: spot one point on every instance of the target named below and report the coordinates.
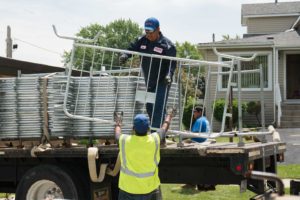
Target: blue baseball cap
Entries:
(141, 124)
(151, 24)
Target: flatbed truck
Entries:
(51, 163)
(64, 171)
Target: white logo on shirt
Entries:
(158, 50)
(143, 47)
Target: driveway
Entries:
(292, 138)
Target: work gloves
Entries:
(118, 118)
(168, 80)
(172, 111)
(122, 59)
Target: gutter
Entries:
(288, 47)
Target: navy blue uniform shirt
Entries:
(163, 46)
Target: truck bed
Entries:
(251, 150)
(196, 163)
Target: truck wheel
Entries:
(46, 182)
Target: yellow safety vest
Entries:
(139, 156)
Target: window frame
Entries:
(248, 54)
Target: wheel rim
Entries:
(44, 190)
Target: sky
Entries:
(180, 20)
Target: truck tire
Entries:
(47, 182)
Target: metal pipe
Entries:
(76, 39)
(233, 57)
(235, 72)
(239, 97)
(189, 61)
(188, 134)
(267, 176)
(262, 100)
(226, 98)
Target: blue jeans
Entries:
(154, 195)
(161, 99)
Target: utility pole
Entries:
(8, 43)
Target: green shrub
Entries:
(219, 108)
(187, 112)
(254, 108)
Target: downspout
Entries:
(275, 81)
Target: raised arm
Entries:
(118, 116)
(165, 126)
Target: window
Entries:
(251, 81)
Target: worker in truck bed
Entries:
(157, 72)
(140, 156)
(200, 125)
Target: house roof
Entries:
(10, 67)
(290, 39)
(270, 9)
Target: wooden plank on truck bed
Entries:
(190, 150)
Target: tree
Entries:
(117, 34)
(190, 74)
(187, 50)
(227, 37)
(192, 79)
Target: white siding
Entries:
(268, 25)
(246, 97)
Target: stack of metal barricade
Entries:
(20, 107)
(93, 97)
(59, 124)
(29, 107)
(24, 101)
(173, 101)
(8, 107)
(125, 101)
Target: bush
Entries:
(219, 108)
(254, 108)
(187, 112)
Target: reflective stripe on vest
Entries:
(124, 167)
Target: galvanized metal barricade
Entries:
(83, 106)
(20, 108)
(132, 86)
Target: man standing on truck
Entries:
(140, 156)
(157, 72)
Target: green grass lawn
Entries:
(229, 192)
(224, 192)
(291, 171)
